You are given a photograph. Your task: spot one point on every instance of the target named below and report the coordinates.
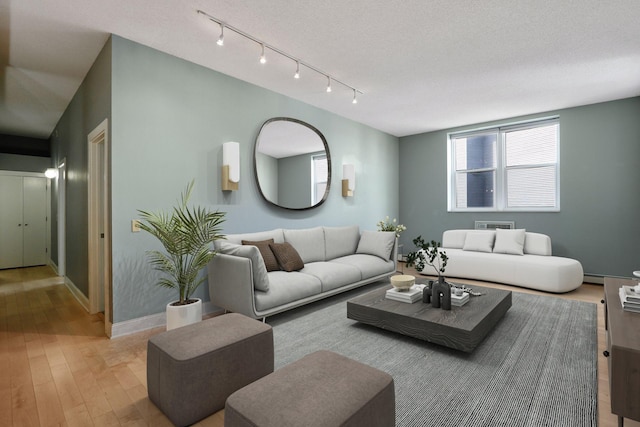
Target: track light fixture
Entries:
(220, 41)
(263, 58)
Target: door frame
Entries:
(62, 215)
(98, 186)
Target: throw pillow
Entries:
(479, 241)
(378, 243)
(510, 242)
(287, 256)
(260, 276)
(268, 257)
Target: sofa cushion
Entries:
(378, 243)
(268, 257)
(308, 242)
(537, 244)
(479, 241)
(509, 242)
(333, 275)
(260, 278)
(277, 236)
(340, 241)
(287, 256)
(369, 266)
(287, 288)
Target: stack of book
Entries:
(409, 296)
(630, 299)
(459, 301)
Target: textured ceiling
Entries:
(423, 65)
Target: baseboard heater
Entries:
(492, 225)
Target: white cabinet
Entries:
(23, 221)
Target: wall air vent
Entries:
(492, 225)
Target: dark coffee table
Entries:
(461, 328)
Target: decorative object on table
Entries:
(186, 235)
(428, 254)
(410, 296)
(438, 294)
(391, 225)
(459, 300)
(630, 299)
(403, 282)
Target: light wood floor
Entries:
(58, 369)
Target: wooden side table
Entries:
(623, 352)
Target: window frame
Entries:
(500, 197)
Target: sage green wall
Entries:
(293, 191)
(267, 170)
(170, 118)
(599, 188)
(89, 107)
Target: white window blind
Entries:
(512, 167)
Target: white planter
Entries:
(183, 315)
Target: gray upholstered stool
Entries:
(323, 389)
(193, 369)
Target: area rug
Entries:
(536, 368)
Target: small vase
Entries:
(183, 315)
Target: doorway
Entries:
(99, 220)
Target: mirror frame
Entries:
(326, 148)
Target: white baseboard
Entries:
(77, 293)
(140, 324)
(53, 266)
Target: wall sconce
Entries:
(51, 173)
(230, 166)
(348, 180)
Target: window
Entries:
(319, 176)
(508, 168)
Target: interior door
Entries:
(35, 221)
(11, 221)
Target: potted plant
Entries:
(388, 225)
(428, 254)
(186, 235)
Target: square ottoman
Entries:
(193, 369)
(322, 389)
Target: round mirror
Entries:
(292, 164)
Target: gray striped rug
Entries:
(537, 368)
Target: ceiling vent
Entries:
(492, 225)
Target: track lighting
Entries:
(263, 58)
(220, 41)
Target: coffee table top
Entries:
(462, 328)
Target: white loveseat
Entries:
(335, 259)
(513, 257)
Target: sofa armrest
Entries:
(231, 284)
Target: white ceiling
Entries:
(423, 65)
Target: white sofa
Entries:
(335, 259)
(513, 257)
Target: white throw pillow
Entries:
(379, 243)
(479, 241)
(510, 241)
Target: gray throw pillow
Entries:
(378, 243)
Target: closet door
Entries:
(35, 221)
(11, 225)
